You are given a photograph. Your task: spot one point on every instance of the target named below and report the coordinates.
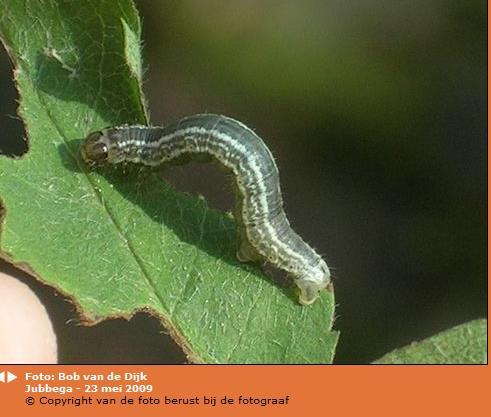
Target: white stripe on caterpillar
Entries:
(265, 233)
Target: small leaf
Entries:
(464, 344)
(115, 243)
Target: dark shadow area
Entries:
(12, 142)
(385, 174)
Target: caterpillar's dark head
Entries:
(100, 147)
(94, 149)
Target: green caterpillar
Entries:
(264, 229)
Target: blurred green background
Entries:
(376, 113)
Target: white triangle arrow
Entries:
(10, 376)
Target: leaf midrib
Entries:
(99, 198)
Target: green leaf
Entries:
(112, 241)
(464, 344)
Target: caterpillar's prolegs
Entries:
(246, 253)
